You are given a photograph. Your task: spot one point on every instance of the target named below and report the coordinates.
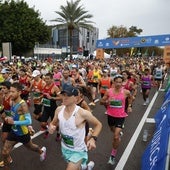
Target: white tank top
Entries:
(158, 73)
(72, 137)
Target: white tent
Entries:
(105, 54)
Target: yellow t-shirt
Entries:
(96, 75)
(1, 78)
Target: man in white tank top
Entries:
(71, 120)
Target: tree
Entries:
(117, 32)
(74, 16)
(133, 31)
(121, 31)
(22, 26)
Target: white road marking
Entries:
(32, 137)
(132, 142)
(150, 120)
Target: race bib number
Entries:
(36, 94)
(46, 102)
(105, 87)
(56, 80)
(146, 83)
(116, 103)
(113, 74)
(158, 74)
(7, 112)
(68, 141)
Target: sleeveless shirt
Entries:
(72, 136)
(146, 82)
(18, 129)
(116, 107)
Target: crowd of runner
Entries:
(46, 86)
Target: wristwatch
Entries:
(94, 137)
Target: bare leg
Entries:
(7, 148)
(33, 147)
(74, 166)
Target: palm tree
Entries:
(74, 16)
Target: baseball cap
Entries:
(74, 66)
(44, 64)
(105, 71)
(70, 91)
(36, 73)
(5, 70)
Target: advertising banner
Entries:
(143, 41)
(155, 155)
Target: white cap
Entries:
(106, 71)
(36, 73)
(4, 71)
(74, 66)
(44, 64)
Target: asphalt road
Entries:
(130, 150)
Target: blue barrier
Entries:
(156, 155)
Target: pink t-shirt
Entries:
(116, 107)
(57, 77)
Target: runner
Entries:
(51, 94)
(20, 119)
(114, 100)
(24, 80)
(104, 83)
(78, 78)
(6, 75)
(6, 104)
(94, 76)
(158, 75)
(37, 85)
(57, 76)
(114, 70)
(71, 120)
(66, 80)
(146, 82)
(128, 85)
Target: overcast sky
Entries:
(153, 16)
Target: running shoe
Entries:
(112, 160)
(43, 154)
(147, 101)
(90, 165)
(83, 167)
(92, 104)
(2, 163)
(144, 104)
(121, 133)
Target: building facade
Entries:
(83, 40)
